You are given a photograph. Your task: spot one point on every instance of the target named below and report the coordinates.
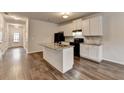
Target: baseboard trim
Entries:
(121, 63)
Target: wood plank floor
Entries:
(16, 65)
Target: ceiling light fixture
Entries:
(65, 14)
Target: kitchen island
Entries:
(59, 56)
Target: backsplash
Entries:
(69, 38)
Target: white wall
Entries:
(15, 28)
(25, 38)
(3, 29)
(40, 32)
(113, 40)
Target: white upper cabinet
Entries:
(96, 26)
(77, 24)
(85, 27)
(67, 29)
(92, 26)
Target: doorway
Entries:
(16, 32)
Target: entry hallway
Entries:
(17, 65)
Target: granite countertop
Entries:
(56, 46)
(92, 44)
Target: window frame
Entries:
(16, 37)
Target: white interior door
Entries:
(15, 36)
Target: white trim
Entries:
(118, 62)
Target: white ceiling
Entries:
(11, 19)
(55, 17)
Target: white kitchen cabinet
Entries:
(77, 24)
(67, 29)
(60, 58)
(93, 52)
(84, 50)
(85, 27)
(96, 26)
(92, 26)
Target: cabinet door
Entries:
(74, 25)
(62, 28)
(85, 27)
(93, 52)
(67, 29)
(96, 25)
(70, 29)
(79, 24)
(84, 50)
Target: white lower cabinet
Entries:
(92, 52)
(84, 50)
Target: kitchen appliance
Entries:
(58, 37)
(76, 45)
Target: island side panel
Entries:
(68, 59)
(53, 57)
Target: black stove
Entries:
(76, 45)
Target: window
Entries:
(16, 37)
(0, 36)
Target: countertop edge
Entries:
(57, 48)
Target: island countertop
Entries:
(56, 46)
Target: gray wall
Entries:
(40, 32)
(113, 40)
